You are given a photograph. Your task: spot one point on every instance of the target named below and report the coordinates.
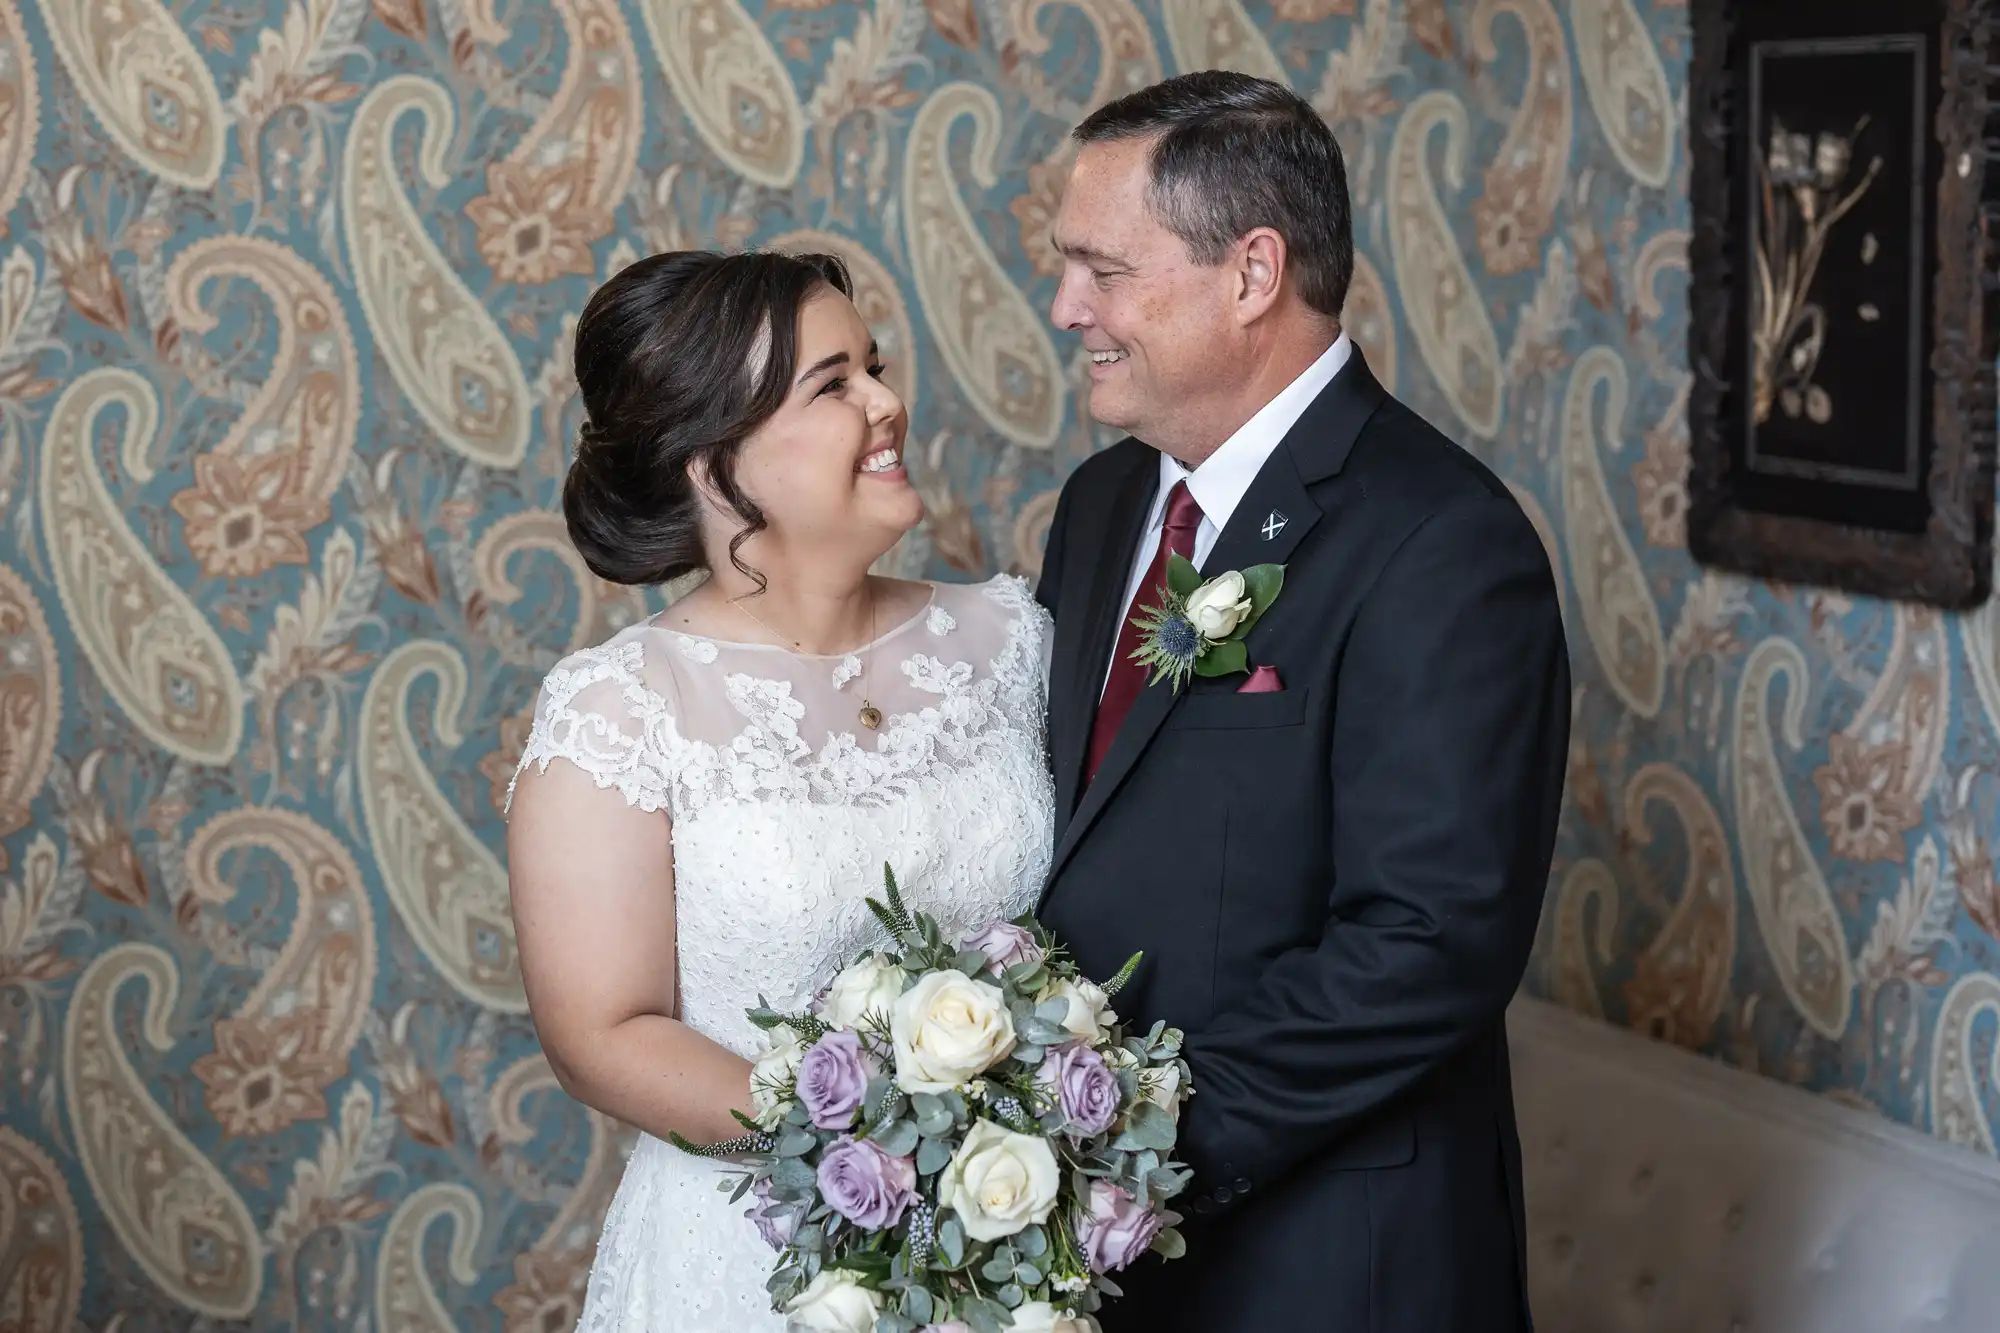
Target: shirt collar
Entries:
(1220, 483)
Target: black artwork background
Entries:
(1867, 368)
(1870, 366)
(1933, 545)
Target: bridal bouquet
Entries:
(959, 1138)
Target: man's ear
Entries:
(1260, 272)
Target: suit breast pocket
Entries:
(1223, 710)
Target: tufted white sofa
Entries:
(1668, 1193)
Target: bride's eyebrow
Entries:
(827, 363)
(820, 367)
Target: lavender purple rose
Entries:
(1084, 1085)
(865, 1185)
(775, 1222)
(1005, 944)
(1116, 1228)
(833, 1080)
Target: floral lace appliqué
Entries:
(781, 825)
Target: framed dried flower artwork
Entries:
(1842, 311)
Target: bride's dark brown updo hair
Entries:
(680, 357)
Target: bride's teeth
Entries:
(880, 462)
(1106, 358)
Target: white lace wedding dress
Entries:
(784, 811)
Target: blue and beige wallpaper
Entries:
(286, 289)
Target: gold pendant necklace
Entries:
(870, 716)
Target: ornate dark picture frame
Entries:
(1892, 496)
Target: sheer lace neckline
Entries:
(922, 615)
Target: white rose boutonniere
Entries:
(1197, 628)
(1218, 606)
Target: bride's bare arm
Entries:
(593, 902)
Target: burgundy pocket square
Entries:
(1263, 680)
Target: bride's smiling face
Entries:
(826, 469)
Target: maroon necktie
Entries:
(1128, 677)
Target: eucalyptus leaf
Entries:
(917, 1304)
(1053, 1012)
(794, 1173)
(891, 1321)
(1169, 1245)
(933, 1156)
(987, 1318)
(997, 1269)
(1042, 1032)
(1151, 1127)
(1027, 977)
(932, 1120)
(1027, 1275)
(951, 1241)
(1033, 1242)
(898, 1138)
(796, 1142)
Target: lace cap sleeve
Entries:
(597, 711)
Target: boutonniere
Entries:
(1198, 627)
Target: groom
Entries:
(1335, 874)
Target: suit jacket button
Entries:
(1222, 1194)
(1240, 1186)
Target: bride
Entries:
(706, 798)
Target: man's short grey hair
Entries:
(1232, 153)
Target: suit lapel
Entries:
(1315, 448)
(1086, 657)
(1276, 490)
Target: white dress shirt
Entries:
(1219, 484)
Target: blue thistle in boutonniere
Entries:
(1197, 628)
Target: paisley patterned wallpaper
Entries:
(286, 289)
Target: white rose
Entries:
(834, 1302)
(1041, 1317)
(1162, 1087)
(1218, 606)
(773, 1074)
(999, 1182)
(868, 987)
(1090, 1014)
(948, 1029)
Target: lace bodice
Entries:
(785, 808)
